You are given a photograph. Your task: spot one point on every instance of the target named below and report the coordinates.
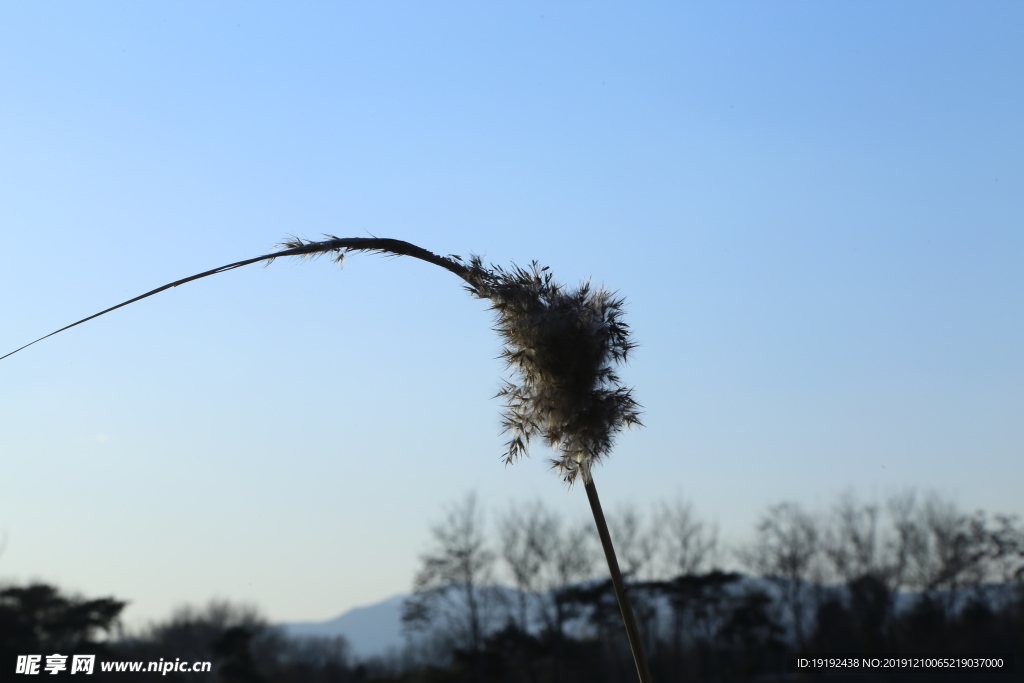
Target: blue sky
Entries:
(814, 211)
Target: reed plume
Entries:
(562, 346)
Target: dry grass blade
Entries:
(293, 247)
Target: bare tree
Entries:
(688, 545)
(946, 548)
(571, 561)
(529, 540)
(787, 551)
(928, 546)
(454, 586)
(901, 510)
(636, 541)
(869, 552)
(1006, 550)
(853, 542)
(545, 556)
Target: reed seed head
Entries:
(562, 345)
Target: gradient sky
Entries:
(813, 209)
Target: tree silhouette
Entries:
(454, 585)
(787, 552)
(38, 617)
(528, 542)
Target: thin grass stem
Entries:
(632, 632)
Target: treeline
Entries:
(909, 575)
(526, 599)
(240, 644)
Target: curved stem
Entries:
(383, 245)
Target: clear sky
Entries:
(815, 211)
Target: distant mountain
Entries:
(374, 629)
(370, 630)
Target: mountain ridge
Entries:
(371, 630)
